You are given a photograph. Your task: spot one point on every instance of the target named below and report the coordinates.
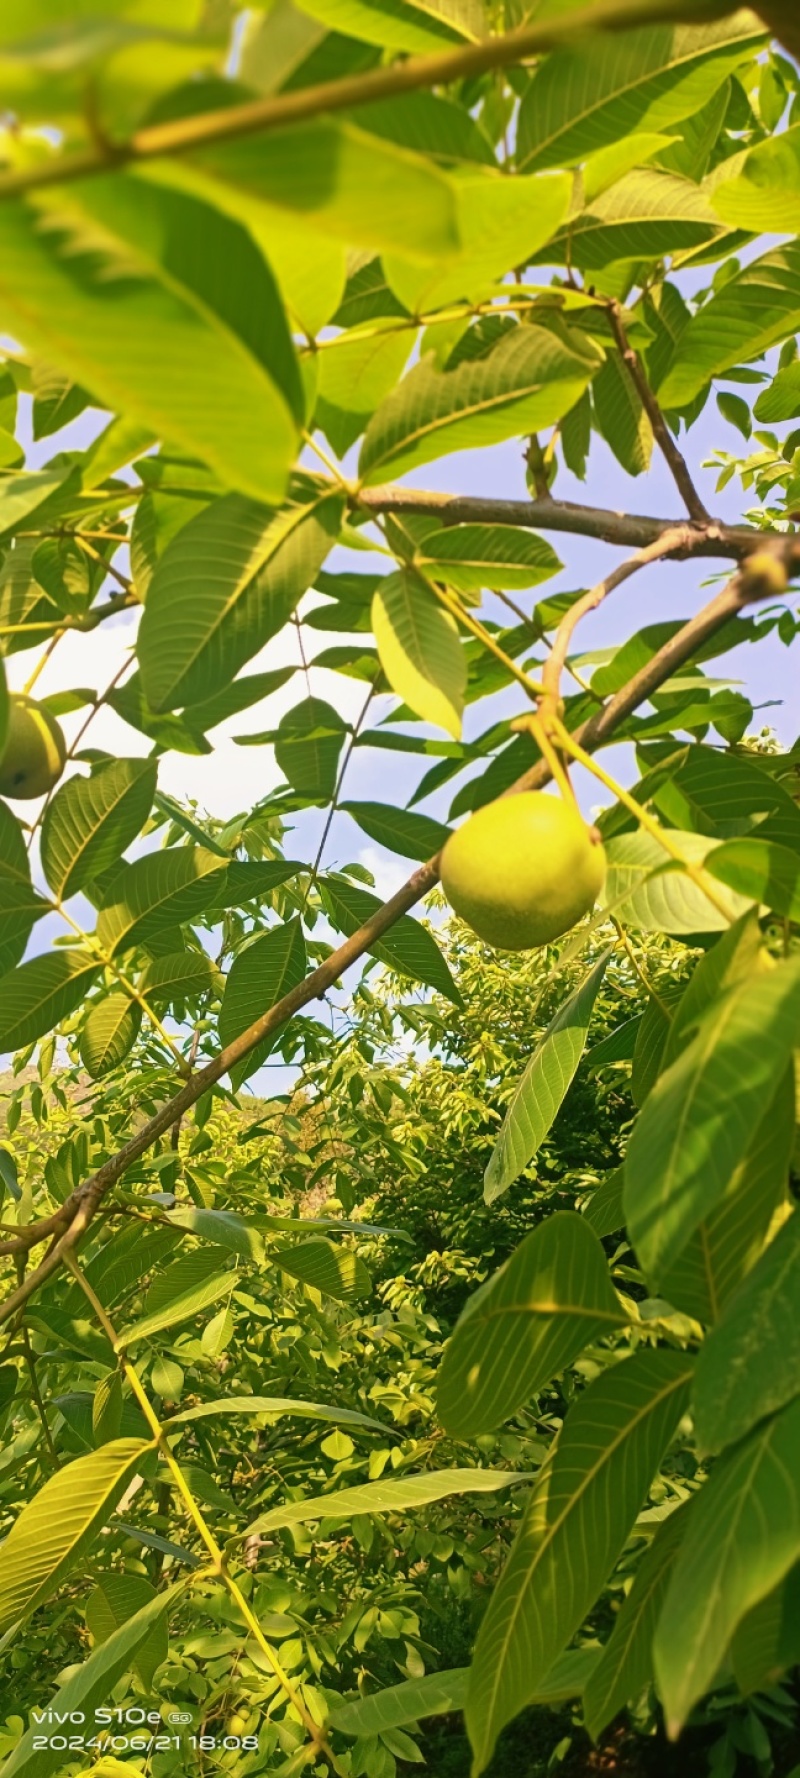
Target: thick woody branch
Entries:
(229, 123)
(670, 543)
(627, 530)
(743, 589)
(675, 461)
(69, 1224)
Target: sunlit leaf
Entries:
(533, 1316)
(578, 1517)
(543, 1087)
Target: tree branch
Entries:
(627, 530)
(258, 115)
(674, 459)
(743, 589)
(670, 543)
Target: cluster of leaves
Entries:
(239, 278)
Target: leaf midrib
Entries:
(608, 1452)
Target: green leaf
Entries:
(733, 957)
(718, 793)
(226, 583)
(646, 214)
(767, 1640)
(749, 1366)
(587, 95)
(21, 494)
(742, 1538)
(390, 1495)
(420, 649)
(764, 193)
(501, 223)
(543, 1087)
(754, 310)
(621, 417)
(60, 1522)
(92, 1683)
(762, 871)
(240, 695)
(223, 1227)
(432, 125)
(648, 1054)
(333, 178)
(648, 892)
(91, 821)
(259, 976)
(694, 1129)
(38, 995)
(407, 947)
(180, 974)
(720, 1253)
(4, 708)
(308, 742)
(192, 343)
(247, 878)
(438, 1694)
(619, 1046)
(735, 410)
(109, 1033)
(400, 830)
(525, 1325)
(161, 890)
(528, 381)
(275, 1404)
(580, 1512)
(781, 401)
(471, 557)
(626, 1663)
(354, 373)
(122, 1262)
(107, 1408)
(400, 24)
(20, 908)
(325, 1267)
(605, 1211)
(179, 1293)
(116, 1600)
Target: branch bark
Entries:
(229, 123)
(670, 543)
(627, 530)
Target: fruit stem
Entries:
(533, 724)
(704, 882)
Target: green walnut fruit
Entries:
(523, 870)
(35, 750)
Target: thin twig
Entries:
(334, 803)
(35, 1390)
(674, 459)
